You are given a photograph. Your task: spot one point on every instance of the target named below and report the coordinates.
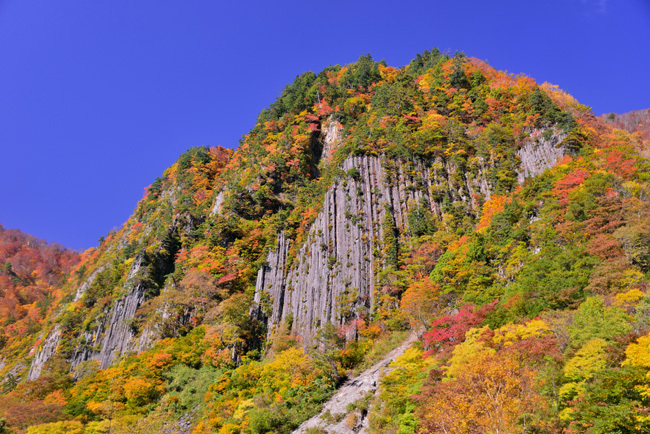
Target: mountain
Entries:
(497, 219)
(634, 121)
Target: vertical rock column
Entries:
(333, 273)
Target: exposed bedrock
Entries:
(113, 333)
(332, 277)
(337, 263)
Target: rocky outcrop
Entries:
(86, 283)
(336, 259)
(44, 352)
(119, 332)
(331, 137)
(47, 350)
(540, 152)
(114, 333)
(218, 203)
(332, 277)
(270, 279)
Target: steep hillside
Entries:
(497, 218)
(634, 121)
(30, 274)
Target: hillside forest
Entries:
(496, 219)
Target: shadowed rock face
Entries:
(112, 337)
(48, 349)
(115, 333)
(339, 260)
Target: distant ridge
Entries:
(633, 121)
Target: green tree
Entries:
(391, 241)
(595, 320)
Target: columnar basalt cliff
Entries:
(114, 335)
(495, 220)
(44, 352)
(332, 278)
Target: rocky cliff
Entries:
(43, 355)
(333, 277)
(111, 337)
(113, 332)
(365, 201)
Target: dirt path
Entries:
(335, 418)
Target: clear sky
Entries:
(97, 98)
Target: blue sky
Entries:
(97, 98)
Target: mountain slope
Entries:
(497, 218)
(637, 120)
(31, 272)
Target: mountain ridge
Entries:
(463, 202)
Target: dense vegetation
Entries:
(30, 272)
(532, 305)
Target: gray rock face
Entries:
(271, 278)
(218, 203)
(332, 278)
(336, 258)
(43, 355)
(86, 284)
(110, 338)
(539, 153)
(119, 334)
(114, 334)
(52, 341)
(331, 137)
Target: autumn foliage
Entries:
(30, 272)
(530, 298)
